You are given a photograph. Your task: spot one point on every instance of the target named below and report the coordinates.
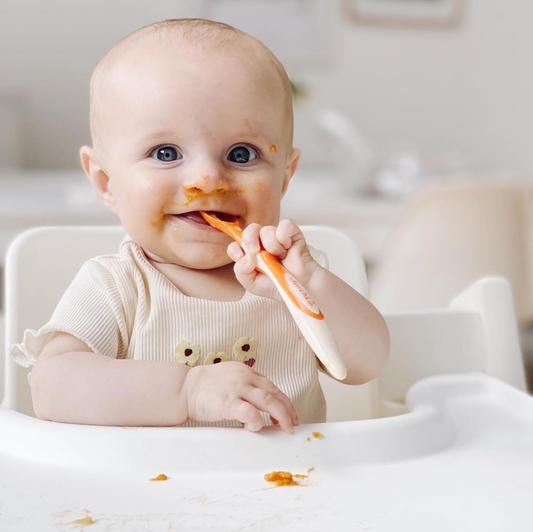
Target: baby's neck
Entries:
(218, 284)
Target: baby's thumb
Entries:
(245, 270)
(235, 251)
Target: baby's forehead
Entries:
(145, 63)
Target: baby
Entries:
(179, 328)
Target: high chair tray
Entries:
(461, 460)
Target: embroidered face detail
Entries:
(216, 358)
(244, 350)
(187, 353)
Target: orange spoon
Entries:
(300, 304)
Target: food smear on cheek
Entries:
(158, 223)
(273, 148)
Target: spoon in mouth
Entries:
(305, 312)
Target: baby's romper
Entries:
(122, 307)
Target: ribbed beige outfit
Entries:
(122, 307)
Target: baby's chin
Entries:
(197, 256)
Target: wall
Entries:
(468, 91)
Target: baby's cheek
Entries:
(142, 209)
(266, 199)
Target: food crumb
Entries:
(281, 478)
(273, 148)
(308, 438)
(84, 521)
(318, 435)
(284, 478)
(161, 476)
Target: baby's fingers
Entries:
(244, 412)
(235, 251)
(269, 386)
(271, 243)
(270, 403)
(245, 269)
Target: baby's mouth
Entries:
(195, 216)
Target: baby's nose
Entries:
(208, 184)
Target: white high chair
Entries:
(477, 333)
(445, 464)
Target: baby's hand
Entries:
(232, 390)
(286, 242)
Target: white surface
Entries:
(462, 460)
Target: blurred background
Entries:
(415, 118)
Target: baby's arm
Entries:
(359, 329)
(71, 383)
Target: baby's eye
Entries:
(166, 153)
(242, 154)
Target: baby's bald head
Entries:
(183, 36)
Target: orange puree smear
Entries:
(196, 193)
(84, 521)
(318, 435)
(273, 148)
(158, 222)
(284, 478)
(281, 478)
(161, 476)
(193, 194)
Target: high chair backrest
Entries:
(42, 262)
(452, 235)
(477, 333)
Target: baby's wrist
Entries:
(187, 390)
(182, 404)
(313, 272)
(316, 279)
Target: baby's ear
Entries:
(290, 168)
(98, 177)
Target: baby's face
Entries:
(202, 131)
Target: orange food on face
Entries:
(161, 221)
(161, 476)
(193, 194)
(273, 148)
